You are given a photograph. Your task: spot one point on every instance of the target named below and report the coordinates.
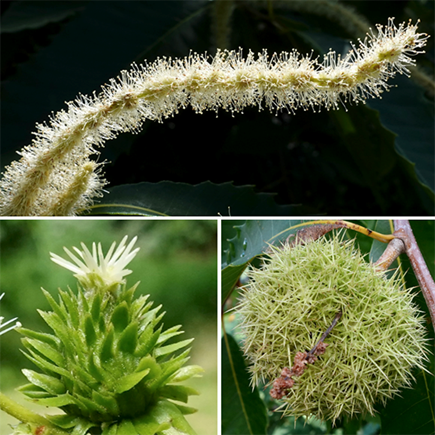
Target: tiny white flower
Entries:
(3, 325)
(94, 270)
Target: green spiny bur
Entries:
(292, 299)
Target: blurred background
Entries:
(176, 265)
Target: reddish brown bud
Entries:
(321, 348)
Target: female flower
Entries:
(94, 270)
(107, 363)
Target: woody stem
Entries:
(326, 333)
(422, 273)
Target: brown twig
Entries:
(326, 333)
(315, 229)
(393, 250)
(282, 385)
(403, 231)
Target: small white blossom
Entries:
(94, 270)
(3, 328)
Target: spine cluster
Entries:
(56, 175)
(376, 342)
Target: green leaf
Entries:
(94, 367)
(45, 349)
(169, 333)
(148, 340)
(50, 339)
(107, 351)
(58, 401)
(81, 428)
(126, 427)
(245, 240)
(34, 392)
(32, 15)
(59, 309)
(110, 430)
(186, 410)
(120, 317)
(243, 412)
(96, 307)
(62, 332)
(128, 340)
(187, 372)
(170, 367)
(47, 366)
(167, 198)
(64, 421)
(149, 363)
(106, 401)
(90, 334)
(70, 302)
(167, 412)
(148, 425)
(414, 127)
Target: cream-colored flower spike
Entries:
(94, 270)
(55, 175)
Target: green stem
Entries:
(26, 416)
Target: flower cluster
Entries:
(56, 176)
(96, 270)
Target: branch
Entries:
(391, 253)
(315, 229)
(26, 416)
(425, 280)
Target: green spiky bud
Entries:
(107, 364)
(298, 293)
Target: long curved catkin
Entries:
(53, 176)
